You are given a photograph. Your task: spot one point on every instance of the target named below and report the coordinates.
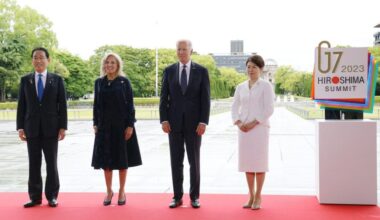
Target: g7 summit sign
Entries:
(340, 73)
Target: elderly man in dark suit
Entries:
(41, 122)
(184, 114)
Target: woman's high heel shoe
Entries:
(122, 201)
(248, 204)
(107, 201)
(256, 204)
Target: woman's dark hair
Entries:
(257, 60)
(41, 49)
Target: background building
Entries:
(377, 36)
(269, 70)
(236, 59)
(237, 47)
(232, 61)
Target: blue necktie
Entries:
(183, 79)
(40, 87)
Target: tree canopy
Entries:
(288, 80)
(21, 30)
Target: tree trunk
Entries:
(2, 91)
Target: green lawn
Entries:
(317, 113)
(153, 113)
(86, 114)
(142, 113)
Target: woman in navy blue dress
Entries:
(116, 146)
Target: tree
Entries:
(232, 78)
(305, 86)
(291, 83)
(80, 81)
(11, 51)
(289, 80)
(281, 75)
(22, 29)
(219, 87)
(208, 62)
(165, 58)
(138, 65)
(375, 51)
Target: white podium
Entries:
(346, 162)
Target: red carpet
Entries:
(144, 206)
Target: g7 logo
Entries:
(328, 54)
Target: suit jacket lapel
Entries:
(32, 85)
(48, 84)
(176, 77)
(193, 71)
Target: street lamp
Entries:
(156, 71)
(156, 25)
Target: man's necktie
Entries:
(183, 79)
(40, 87)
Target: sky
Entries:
(284, 30)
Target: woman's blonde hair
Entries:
(119, 63)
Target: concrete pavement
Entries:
(292, 153)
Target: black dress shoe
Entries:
(53, 202)
(195, 203)
(175, 203)
(32, 203)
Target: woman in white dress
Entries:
(251, 109)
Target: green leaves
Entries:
(79, 79)
(11, 59)
(289, 80)
(21, 29)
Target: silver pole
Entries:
(156, 71)
(156, 26)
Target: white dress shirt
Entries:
(36, 77)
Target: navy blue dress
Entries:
(113, 113)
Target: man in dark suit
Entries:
(41, 122)
(184, 114)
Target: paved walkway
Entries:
(292, 165)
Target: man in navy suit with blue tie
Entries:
(42, 122)
(184, 114)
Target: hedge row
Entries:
(88, 103)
